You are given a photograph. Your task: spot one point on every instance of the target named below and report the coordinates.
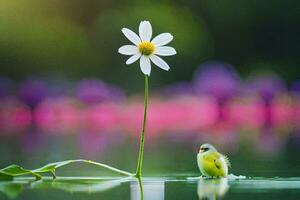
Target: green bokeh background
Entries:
(74, 39)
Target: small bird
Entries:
(212, 163)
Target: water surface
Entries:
(150, 188)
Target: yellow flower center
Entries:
(146, 48)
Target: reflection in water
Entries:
(87, 186)
(268, 184)
(153, 190)
(147, 190)
(212, 188)
(12, 189)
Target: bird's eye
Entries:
(204, 149)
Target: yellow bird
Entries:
(212, 163)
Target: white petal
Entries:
(159, 62)
(145, 65)
(128, 50)
(145, 31)
(162, 39)
(165, 51)
(133, 58)
(132, 36)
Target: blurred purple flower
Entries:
(33, 92)
(182, 88)
(217, 79)
(266, 86)
(94, 91)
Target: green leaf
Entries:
(11, 171)
(16, 170)
(5, 176)
(51, 167)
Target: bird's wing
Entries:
(215, 157)
(218, 163)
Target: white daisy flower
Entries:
(146, 49)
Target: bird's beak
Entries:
(201, 151)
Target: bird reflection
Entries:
(212, 188)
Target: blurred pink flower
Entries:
(58, 115)
(296, 114)
(245, 113)
(180, 115)
(281, 112)
(14, 115)
(104, 116)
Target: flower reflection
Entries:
(212, 188)
(147, 190)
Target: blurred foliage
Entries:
(76, 38)
(40, 42)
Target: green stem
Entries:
(138, 173)
(141, 188)
(53, 174)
